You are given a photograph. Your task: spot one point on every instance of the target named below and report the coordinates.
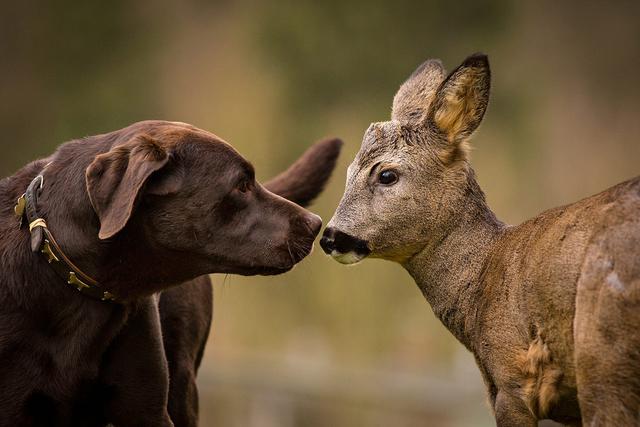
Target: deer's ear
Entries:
(411, 103)
(461, 101)
(115, 178)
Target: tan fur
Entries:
(459, 108)
(550, 308)
(408, 104)
(460, 101)
(540, 378)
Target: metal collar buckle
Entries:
(42, 241)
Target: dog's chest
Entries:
(49, 364)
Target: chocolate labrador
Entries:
(186, 311)
(185, 317)
(92, 234)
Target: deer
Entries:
(549, 308)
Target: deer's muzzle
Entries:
(343, 247)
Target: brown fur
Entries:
(66, 359)
(189, 307)
(115, 178)
(550, 308)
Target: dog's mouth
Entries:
(291, 254)
(266, 271)
(299, 250)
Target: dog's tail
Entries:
(306, 178)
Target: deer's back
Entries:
(539, 273)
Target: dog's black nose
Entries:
(336, 240)
(306, 226)
(315, 223)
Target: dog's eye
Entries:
(387, 177)
(244, 186)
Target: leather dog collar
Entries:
(43, 241)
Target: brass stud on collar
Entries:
(107, 296)
(48, 252)
(73, 280)
(20, 206)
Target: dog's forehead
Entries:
(169, 133)
(201, 144)
(177, 133)
(189, 140)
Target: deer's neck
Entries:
(448, 272)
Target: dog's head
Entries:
(186, 201)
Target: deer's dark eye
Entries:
(387, 177)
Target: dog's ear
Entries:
(114, 180)
(307, 176)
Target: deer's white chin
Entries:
(347, 258)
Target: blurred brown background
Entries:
(327, 345)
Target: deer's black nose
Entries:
(336, 240)
(327, 242)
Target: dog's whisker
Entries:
(293, 260)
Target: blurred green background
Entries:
(327, 345)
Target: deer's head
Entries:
(409, 182)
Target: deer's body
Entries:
(549, 308)
(535, 302)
